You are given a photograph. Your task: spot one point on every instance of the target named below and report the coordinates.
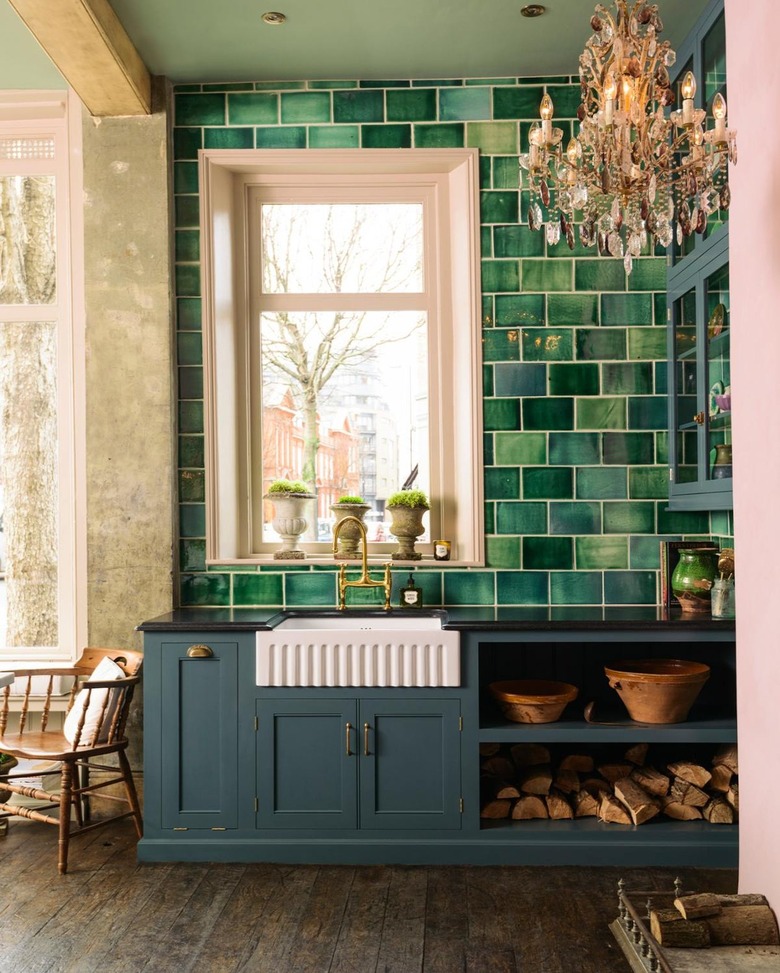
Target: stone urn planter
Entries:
(407, 508)
(349, 536)
(289, 521)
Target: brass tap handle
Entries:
(366, 751)
(200, 652)
(349, 750)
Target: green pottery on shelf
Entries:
(692, 580)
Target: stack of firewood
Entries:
(703, 920)
(521, 782)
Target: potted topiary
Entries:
(289, 498)
(407, 508)
(349, 536)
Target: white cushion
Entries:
(106, 669)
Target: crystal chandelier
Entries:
(635, 168)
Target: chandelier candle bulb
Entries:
(688, 91)
(719, 113)
(546, 111)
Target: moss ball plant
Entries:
(408, 498)
(283, 487)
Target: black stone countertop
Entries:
(570, 618)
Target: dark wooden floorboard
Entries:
(113, 915)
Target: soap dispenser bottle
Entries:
(411, 594)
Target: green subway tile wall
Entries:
(574, 406)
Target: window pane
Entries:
(344, 408)
(28, 485)
(27, 255)
(342, 248)
(686, 389)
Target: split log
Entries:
(613, 772)
(721, 779)
(652, 780)
(489, 749)
(585, 805)
(727, 757)
(706, 904)
(496, 810)
(637, 754)
(638, 802)
(612, 811)
(536, 780)
(681, 812)
(687, 793)
(579, 762)
(492, 787)
(568, 781)
(732, 796)
(693, 773)
(670, 929)
(718, 811)
(529, 754)
(746, 925)
(558, 808)
(596, 787)
(528, 807)
(498, 767)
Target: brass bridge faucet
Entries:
(365, 580)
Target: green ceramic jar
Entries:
(692, 579)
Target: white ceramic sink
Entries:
(358, 650)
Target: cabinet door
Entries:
(199, 746)
(307, 763)
(409, 763)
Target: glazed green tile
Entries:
(523, 587)
(464, 104)
(469, 588)
(647, 343)
(190, 383)
(599, 274)
(562, 248)
(629, 517)
(386, 136)
(486, 241)
(188, 280)
(485, 172)
(490, 518)
(230, 86)
(648, 274)
(186, 87)
(291, 137)
(310, 589)
(334, 136)
(500, 275)
(437, 83)
(192, 520)
(519, 310)
(431, 584)
(500, 344)
(205, 589)
(602, 483)
(546, 275)
(187, 210)
(605, 412)
(520, 102)
(488, 318)
(499, 207)
(253, 109)
(628, 448)
(682, 521)
(574, 448)
(625, 378)
(647, 412)
(599, 344)
(506, 172)
(192, 486)
(414, 105)
(579, 379)
(520, 379)
(192, 555)
(397, 83)
(644, 553)
(721, 522)
(502, 552)
(185, 177)
(191, 416)
(191, 451)
(575, 517)
(601, 553)
(493, 138)
(439, 136)
(545, 344)
(521, 517)
(331, 85)
(189, 348)
(187, 245)
(304, 108)
(200, 109)
(630, 587)
(491, 82)
(662, 448)
(626, 309)
(575, 588)
(547, 482)
(358, 106)
(548, 413)
(501, 414)
(661, 371)
(517, 241)
(279, 85)
(257, 589)
(566, 100)
(659, 310)
(229, 138)
(488, 380)
(520, 448)
(571, 309)
(188, 314)
(186, 142)
(502, 483)
(548, 553)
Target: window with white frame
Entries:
(41, 573)
(342, 348)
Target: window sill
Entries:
(374, 561)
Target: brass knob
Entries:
(200, 652)
(699, 418)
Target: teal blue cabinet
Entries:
(389, 763)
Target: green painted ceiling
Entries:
(225, 40)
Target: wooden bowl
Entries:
(657, 690)
(533, 700)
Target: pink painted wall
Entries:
(753, 57)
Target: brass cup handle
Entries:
(200, 652)
(366, 751)
(349, 728)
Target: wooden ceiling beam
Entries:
(91, 49)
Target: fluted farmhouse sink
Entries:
(350, 649)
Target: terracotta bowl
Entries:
(533, 700)
(657, 690)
